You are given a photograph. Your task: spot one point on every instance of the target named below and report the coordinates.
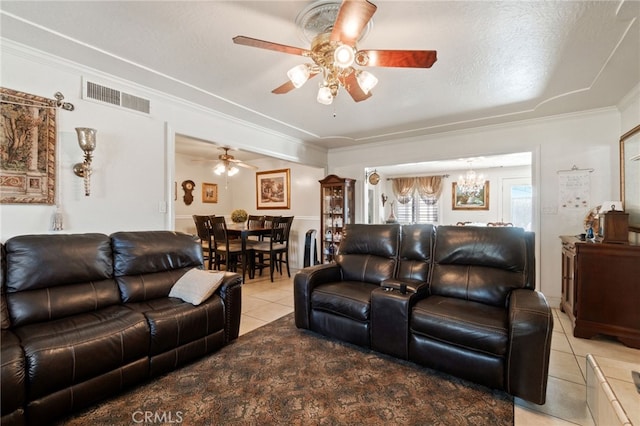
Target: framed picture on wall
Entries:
(273, 189)
(209, 192)
(478, 200)
(27, 148)
(630, 176)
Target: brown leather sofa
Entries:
(86, 315)
(458, 299)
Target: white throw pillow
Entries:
(197, 285)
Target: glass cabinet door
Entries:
(337, 210)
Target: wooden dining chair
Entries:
(203, 229)
(268, 223)
(255, 221)
(226, 250)
(274, 253)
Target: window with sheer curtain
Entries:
(418, 199)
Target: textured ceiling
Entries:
(497, 61)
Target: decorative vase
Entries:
(392, 216)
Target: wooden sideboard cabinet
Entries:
(601, 289)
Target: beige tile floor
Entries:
(264, 301)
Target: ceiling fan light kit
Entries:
(221, 169)
(334, 29)
(228, 164)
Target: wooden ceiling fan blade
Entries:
(285, 88)
(262, 44)
(288, 86)
(397, 58)
(350, 84)
(353, 17)
(245, 165)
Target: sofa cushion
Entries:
(53, 276)
(351, 299)
(29, 307)
(366, 268)
(479, 264)
(376, 240)
(463, 323)
(148, 263)
(416, 245)
(12, 373)
(145, 252)
(5, 322)
(368, 252)
(64, 352)
(174, 322)
(69, 259)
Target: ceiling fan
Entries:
(227, 164)
(334, 52)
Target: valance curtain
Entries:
(429, 188)
(403, 189)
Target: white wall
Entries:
(198, 171)
(587, 140)
(133, 179)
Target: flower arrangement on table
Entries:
(239, 216)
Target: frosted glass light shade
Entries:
(324, 95)
(343, 56)
(219, 169)
(366, 81)
(298, 75)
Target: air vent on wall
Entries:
(111, 96)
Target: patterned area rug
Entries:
(280, 375)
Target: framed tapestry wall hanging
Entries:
(27, 148)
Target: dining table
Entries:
(243, 232)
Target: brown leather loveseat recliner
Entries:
(87, 315)
(458, 299)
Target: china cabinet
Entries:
(337, 204)
(600, 291)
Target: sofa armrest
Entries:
(530, 329)
(231, 294)
(303, 284)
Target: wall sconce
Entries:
(87, 142)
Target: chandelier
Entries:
(334, 61)
(471, 183)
